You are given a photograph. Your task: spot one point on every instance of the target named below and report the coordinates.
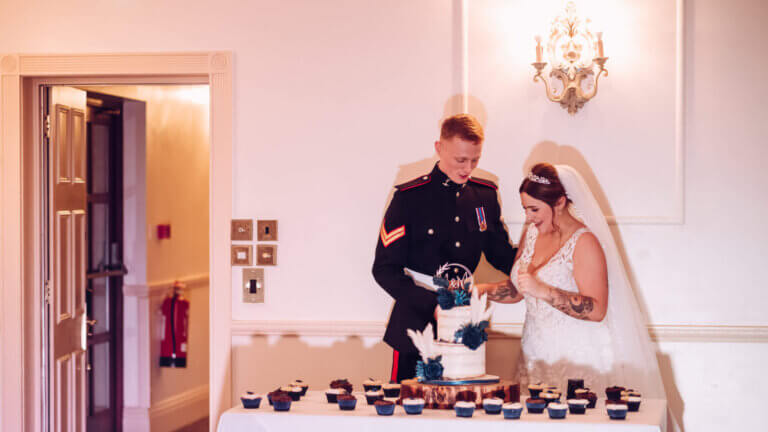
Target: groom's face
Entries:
(458, 157)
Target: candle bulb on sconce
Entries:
(600, 52)
(539, 49)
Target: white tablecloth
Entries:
(313, 413)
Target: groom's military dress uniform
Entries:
(432, 221)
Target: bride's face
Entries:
(537, 213)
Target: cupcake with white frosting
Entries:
(391, 390)
(577, 406)
(413, 405)
(332, 395)
(512, 410)
(492, 405)
(250, 400)
(557, 410)
(535, 389)
(372, 396)
(633, 403)
(294, 391)
(372, 384)
(464, 408)
(616, 411)
(302, 384)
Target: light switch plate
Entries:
(242, 229)
(253, 285)
(267, 230)
(241, 255)
(266, 254)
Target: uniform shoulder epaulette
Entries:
(484, 182)
(418, 181)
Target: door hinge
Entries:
(48, 126)
(48, 292)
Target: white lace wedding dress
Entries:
(555, 346)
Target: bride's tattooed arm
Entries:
(503, 292)
(570, 303)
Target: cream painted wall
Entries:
(335, 99)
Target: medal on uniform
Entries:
(480, 211)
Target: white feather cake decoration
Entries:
(424, 342)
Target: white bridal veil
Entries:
(635, 362)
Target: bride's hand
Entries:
(484, 288)
(532, 286)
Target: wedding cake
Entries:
(462, 318)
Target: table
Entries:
(313, 413)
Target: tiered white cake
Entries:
(459, 362)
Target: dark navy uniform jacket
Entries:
(432, 221)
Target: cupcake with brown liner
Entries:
(577, 406)
(274, 393)
(616, 411)
(346, 402)
(302, 384)
(535, 389)
(250, 400)
(332, 395)
(342, 383)
(632, 402)
(295, 392)
(281, 402)
(592, 398)
(384, 407)
(614, 393)
(391, 390)
(371, 396)
(535, 405)
(557, 410)
(371, 384)
(492, 405)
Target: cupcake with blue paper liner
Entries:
(281, 402)
(464, 409)
(535, 405)
(372, 384)
(332, 395)
(250, 400)
(391, 390)
(347, 402)
(557, 410)
(512, 410)
(295, 392)
(413, 405)
(632, 402)
(384, 407)
(299, 383)
(577, 406)
(616, 411)
(371, 396)
(535, 389)
(492, 405)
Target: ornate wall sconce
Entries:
(573, 51)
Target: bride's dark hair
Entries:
(549, 193)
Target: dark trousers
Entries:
(404, 365)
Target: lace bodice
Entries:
(555, 346)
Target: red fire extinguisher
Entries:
(173, 349)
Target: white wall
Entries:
(334, 98)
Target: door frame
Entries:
(21, 292)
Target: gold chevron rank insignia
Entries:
(387, 238)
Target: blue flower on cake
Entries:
(429, 367)
(473, 334)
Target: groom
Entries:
(444, 216)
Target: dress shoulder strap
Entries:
(570, 245)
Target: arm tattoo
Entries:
(504, 291)
(573, 304)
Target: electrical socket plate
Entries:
(266, 254)
(253, 285)
(242, 229)
(241, 255)
(267, 230)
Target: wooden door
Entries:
(67, 257)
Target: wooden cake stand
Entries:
(441, 396)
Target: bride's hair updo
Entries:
(548, 188)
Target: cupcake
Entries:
(250, 400)
(577, 406)
(371, 384)
(300, 383)
(332, 395)
(514, 393)
(277, 392)
(535, 406)
(614, 393)
(492, 405)
(413, 405)
(384, 407)
(573, 384)
(281, 402)
(616, 411)
(551, 389)
(512, 410)
(557, 410)
(347, 402)
(632, 402)
(391, 390)
(580, 393)
(371, 396)
(295, 392)
(342, 383)
(535, 389)
(592, 398)
(549, 397)
(464, 409)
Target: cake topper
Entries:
(455, 285)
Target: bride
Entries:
(582, 319)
